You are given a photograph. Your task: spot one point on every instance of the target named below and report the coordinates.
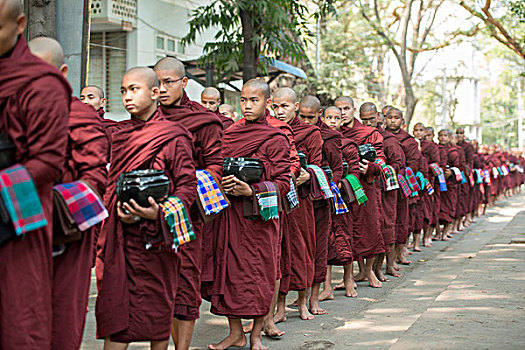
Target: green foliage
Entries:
(518, 9)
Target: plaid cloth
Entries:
(210, 195)
(479, 176)
(85, 206)
(457, 174)
(340, 206)
(178, 221)
(463, 177)
(21, 200)
(440, 175)
(505, 170)
(323, 182)
(412, 181)
(359, 192)
(497, 172)
(266, 194)
(425, 184)
(392, 183)
(407, 192)
(291, 196)
(486, 176)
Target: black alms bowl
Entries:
(249, 170)
(302, 158)
(367, 151)
(140, 184)
(345, 168)
(328, 172)
(7, 152)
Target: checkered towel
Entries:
(392, 183)
(340, 206)
(486, 176)
(323, 182)
(291, 196)
(463, 177)
(384, 175)
(407, 192)
(424, 183)
(85, 206)
(359, 192)
(412, 181)
(440, 175)
(266, 194)
(495, 172)
(178, 221)
(210, 195)
(479, 176)
(21, 200)
(457, 174)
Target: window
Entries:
(171, 45)
(181, 48)
(168, 46)
(160, 42)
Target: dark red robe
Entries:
(206, 128)
(368, 220)
(137, 287)
(86, 160)
(226, 122)
(461, 188)
(245, 257)
(466, 189)
(34, 110)
(431, 151)
(450, 196)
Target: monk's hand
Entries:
(363, 166)
(241, 188)
(125, 216)
(149, 213)
(303, 177)
(448, 173)
(228, 183)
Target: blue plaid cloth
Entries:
(291, 196)
(210, 194)
(339, 203)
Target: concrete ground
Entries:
(465, 293)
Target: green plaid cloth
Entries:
(359, 192)
(266, 194)
(178, 221)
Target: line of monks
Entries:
(246, 260)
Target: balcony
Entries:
(113, 15)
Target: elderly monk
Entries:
(206, 129)
(449, 198)
(211, 100)
(368, 240)
(310, 112)
(137, 285)
(34, 111)
(341, 245)
(227, 111)
(466, 190)
(395, 157)
(85, 160)
(406, 211)
(299, 224)
(246, 247)
(94, 96)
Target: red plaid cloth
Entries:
(412, 180)
(404, 186)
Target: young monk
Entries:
(34, 115)
(94, 96)
(368, 240)
(137, 286)
(466, 189)
(449, 198)
(86, 160)
(299, 224)
(310, 112)
(341, 245)
(246, 263)
(395, 157)
(211, 100)
(206, 129)
(227, 111)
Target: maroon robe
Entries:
(466, 189)
(462, 192)
(368, 220)
(34, 109)
(86, 160)
(226, 122)
(206, 129)
(137, 287)
(300, 223)
(431, 151)
(449, 197)
(246, 251)
(332, 157)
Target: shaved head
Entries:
(211, 92)
(386, 108)
(344, 99)
(12, 8)
(367, 107)
(311, 102)
(285, 93)
(171, 64)
(49, 50)
(258, 84)
(12, 24)
(95, 88)
(226, 107)
(144, 74)
(332, 109)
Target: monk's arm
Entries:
(278, 152)
(211, 138)
(393, 155)
(412, 154)
(376, 139)
(315, 146)
(352, 158)
(182, 171)
(334, 157)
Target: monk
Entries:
(85, 160)
(299, 224)
(395, 157)
(34, 112)
(227, 111)
(341, 242)
(310, 112)
(466, 189)
(246, 263)
(94, 96)
(206, 129)
(211, 100)
(449, 198)
(394, 122)
(368, 240)
(460, 208)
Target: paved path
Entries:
(465, 293)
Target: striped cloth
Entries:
(425, 184)
(210, 195)
(340, 206)
(463, 177)
(266, 194)
(84, 205)
(178, 221)
(18, 192)
(407, 192)
(412, 181)
(291, 196)
(486, 176)
(440, 175)
(495, 172)
(392, 183)
(505, 170)
(457, 174)
(359, 192)
(323, 182)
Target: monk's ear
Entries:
(296, 106)
(184, 82)
(321, 112)
(269, 103)
(155, 93)
(103, 101)
(21, 24)
(64, 69)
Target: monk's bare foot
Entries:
(392, 272)
(409, 245)
(380, 276)
(279, 316)
(373, 281)
(350, 292)
(435, 238)
(229, 341)
(404, 262)
(428, 243)
(327, 294)
(360, 277)
(417, 249)
(340, 286)
(445, 238)
(315, 309)
(248, 328)
(449, 236)
(396, 266)
(256, 344)
(271, 330)
(305, 314)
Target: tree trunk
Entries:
(250, 50)
(410, 101)
(41, 18)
